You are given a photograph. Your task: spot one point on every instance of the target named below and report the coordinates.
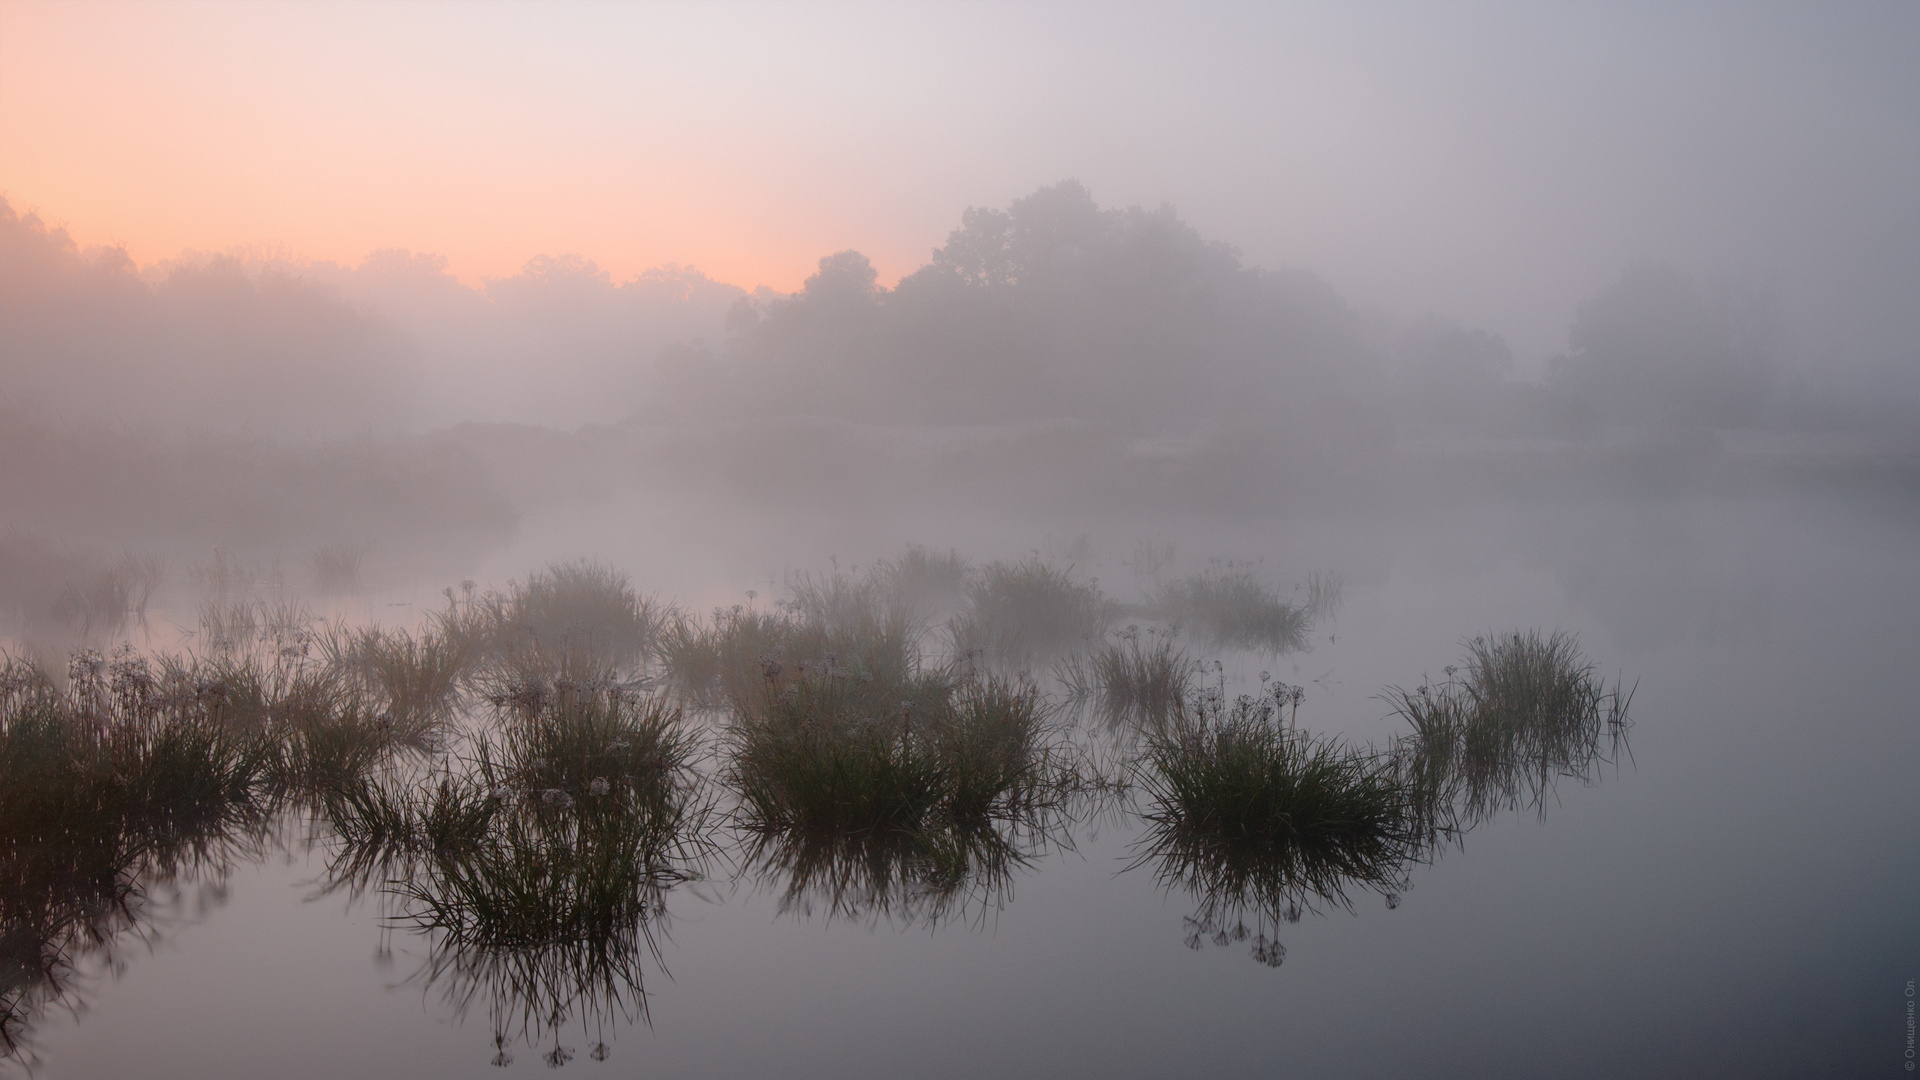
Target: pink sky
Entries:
(1491, 162)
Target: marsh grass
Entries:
(1019, 614)
(913, 799)
(336, 568)
(552, 919)
(927, 584)
(836, 626)
(1228, 607)
(411, 683)
(585, 611)
(1261, 821)
(918, 813)
(105, 789)
(1137, 678)
(539, 864)
(113, 600)
(1525, 712)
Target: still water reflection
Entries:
(526, 865)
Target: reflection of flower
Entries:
(556, 798)
(598, 785)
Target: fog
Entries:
(1054, 359)
(1303, 344)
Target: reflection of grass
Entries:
(550, 917)
(1242, 805)
(539, 865)
(1526, 711)
(102, 788)
(903, 799)
(923, 877)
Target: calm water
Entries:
(1738, 901)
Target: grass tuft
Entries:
(1027, 612)
(1227, 607)
(1139, 679)
(1524, 712)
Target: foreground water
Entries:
(1735, 901)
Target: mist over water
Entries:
(368, 528)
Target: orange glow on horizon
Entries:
(174, 130)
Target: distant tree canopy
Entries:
(1653, 347)
(84, 336)
(1053, 308)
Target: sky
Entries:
(1492, 163)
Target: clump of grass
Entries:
(1526, 711)
(853, 628)
(1228, 607)
(589, 740)
(410, 682)
(1139, 677)
(713, 664)
(116, 596)
(582, 609)
(540, 867)
(1020, 613)
(336, 568)
(550, 920)
(104, 787)
(903, 799)
(1258, 819)
(924, 582)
